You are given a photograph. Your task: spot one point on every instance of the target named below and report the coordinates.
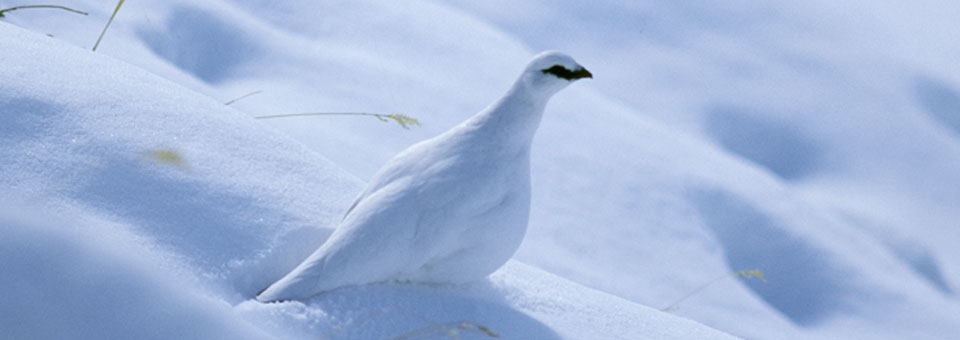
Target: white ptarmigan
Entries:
(450, 209)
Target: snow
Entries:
(816, 141)
(66, 285)
(136, 208)
(523, 303)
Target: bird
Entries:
(451, 209)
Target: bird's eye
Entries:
(565, 73)
(556, 70)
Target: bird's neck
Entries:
(513, 120)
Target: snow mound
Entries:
(816, 139)
(151, 211)
(65, 284)
(518, 302)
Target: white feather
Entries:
(450, 209)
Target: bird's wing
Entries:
(407, 162)
(369, 246)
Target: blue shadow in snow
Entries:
(776, 145)
(417, 311)
(923, 262)
(201, 44)
(940, 100)
(803, 282)
(26, 118)
(910, 251)
(202, 223)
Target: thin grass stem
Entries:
(404, 120)
(241, 97)
(40, 6)
(746, 273)
(115, 10)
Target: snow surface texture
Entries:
(816, 141)
(450, 209)
(135, 208)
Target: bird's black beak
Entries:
(580, 73)
(565, 73)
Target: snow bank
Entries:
(156, 212)
(519, 302)
(815, 141)
(67, 284)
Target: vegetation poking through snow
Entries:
(402, 119)
(432, 331)
(234, 100)
(2, 11)
(746, 273)
(115, 10)
(449, 329)
(167, 156)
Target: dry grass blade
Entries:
(2, 11)
(241, 97)
(115, 10)
(450, 329)
(746, 273)
(167, 156)
(402, 119)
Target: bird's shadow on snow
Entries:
(402, 311)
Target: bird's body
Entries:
(450, 209)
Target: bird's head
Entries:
(550, 72)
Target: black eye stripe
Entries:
(558, 71)
(565, 73)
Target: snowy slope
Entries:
(815, 141)
(852, 107)
(67, 284)
(135, 208)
